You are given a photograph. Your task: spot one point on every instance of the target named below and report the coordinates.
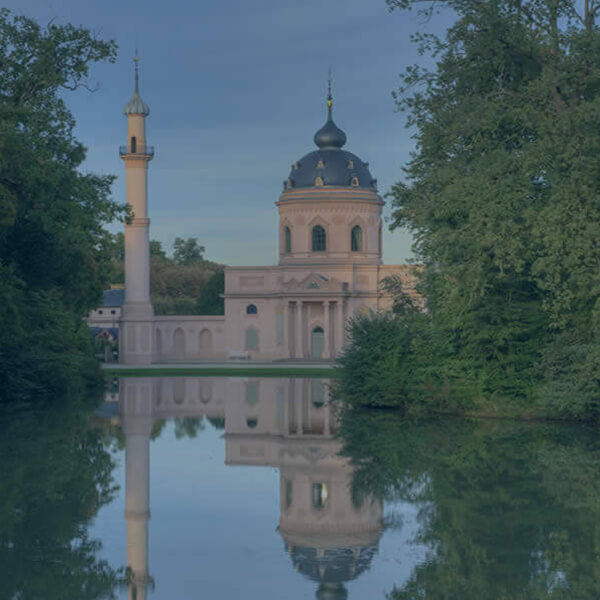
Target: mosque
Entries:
(330, 263)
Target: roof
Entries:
(330, 165)
(112, 297)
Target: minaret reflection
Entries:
(330, 531)
(136, 411)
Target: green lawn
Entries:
(223, 372)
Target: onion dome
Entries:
(330, 165)
(136, 106)
(330, 136)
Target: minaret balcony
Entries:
(138, 150)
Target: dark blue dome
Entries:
(334, 167)
(330, 165)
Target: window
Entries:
(252, 392)
(319, 182)
(319, 239)
(288, 493)
(251, 309)
(354, 182)
(113, 312)
(319, 495)
(252, 423)
(356, 241)
(100, 312)
(251, 339)
(317, 393)
(287, 235)
(320, 164)
(133, 144)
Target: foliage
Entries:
(54, 251)
(184, 284)
(501, 196)
(187, 251)
(505, 510)
(55, 475)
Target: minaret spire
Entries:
(136, 60)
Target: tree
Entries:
(501, 194)
(187, 251)
(54, 250)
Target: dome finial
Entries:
(329, 96)
(136, 106)
(330, 136)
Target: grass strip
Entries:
(223, 372)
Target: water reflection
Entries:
(330, 529)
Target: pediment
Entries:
(314, 282)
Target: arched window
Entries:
(319, 182)
(251, 339)
(319, 239)
(252, 423)
(133, 144)
(319, 494)
(356, 241)
(354, 181)
(251, 309)
(287, 233)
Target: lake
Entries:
(216, 487)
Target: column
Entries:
(298, 331)
(326, 348)
(287, 340)
(339, 340)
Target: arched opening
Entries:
(319, 239)
(319, 495)
(319, 182)
(205, 343)
(159, 343)
(251, 309)
(356, 239)
(287, 235)
(251, 339)
(205, 391)
(317, 342)
(179, 343)
(179, 392)
(252, 423)
(133, 144)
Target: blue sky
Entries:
(236, 91)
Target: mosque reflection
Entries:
(329, 529)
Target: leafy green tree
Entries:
(187, 251)
(501, 197)
(54, 250)
(211, 301)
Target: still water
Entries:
(261, 488)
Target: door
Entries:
(317, 343)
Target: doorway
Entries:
(317, 342)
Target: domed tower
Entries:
(330, 211)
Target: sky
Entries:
(236, 90)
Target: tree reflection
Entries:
(55, 474)
(507, 510)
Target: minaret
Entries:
(136, 328)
